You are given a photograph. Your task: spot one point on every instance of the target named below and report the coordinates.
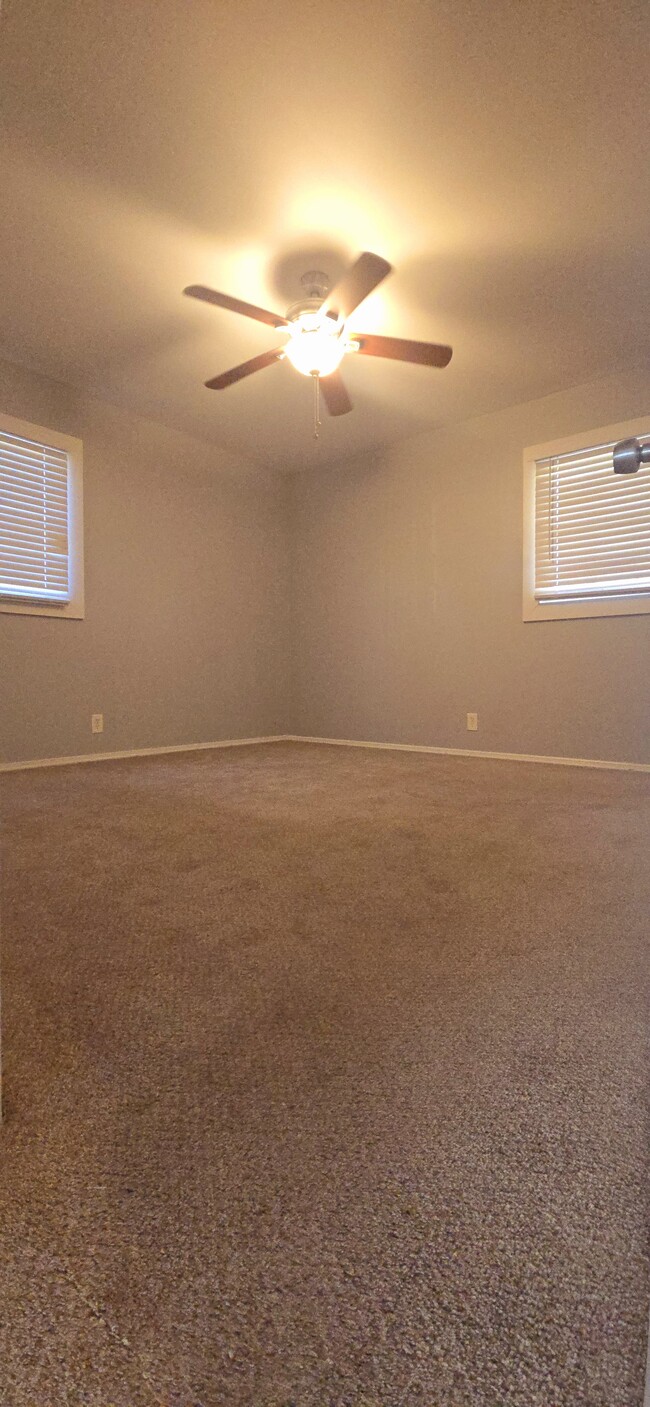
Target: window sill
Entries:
(73, 610)
(576, 610)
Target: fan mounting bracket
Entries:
(316, 284)
(316, 288)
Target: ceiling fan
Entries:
(318, 331)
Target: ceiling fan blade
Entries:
(237, 373)
(356, 284)
(235, 305)
(400, 349)
(334, 394)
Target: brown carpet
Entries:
(326, 1082)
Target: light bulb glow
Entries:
(316, 346)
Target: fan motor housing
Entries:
(316, 285)
(306, 305)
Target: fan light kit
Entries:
(318, 334)
(314, 349)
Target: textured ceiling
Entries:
(497, 154)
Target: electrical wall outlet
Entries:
(97, 722)
(472, 722)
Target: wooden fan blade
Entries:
(400, 349)
(237, 373)
(335, 395)
(235, 305)
(355, 285)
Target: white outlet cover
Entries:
(97, 722)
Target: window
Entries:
(41, 529)
(586, 529)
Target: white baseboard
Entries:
(329, 742)
(136, 752)
(646, 1395)
(476, 752)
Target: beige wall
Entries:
(377, 600)
(407, 598)
(184, 638)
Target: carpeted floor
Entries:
(326, 1081)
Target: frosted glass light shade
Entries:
(314, 348)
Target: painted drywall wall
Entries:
(407, 598)
(186, 579)
(379, 600)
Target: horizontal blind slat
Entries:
(592, 528)
(628, 491)
(30, 517)
(17, 538)
(561, 547)
(18, 484)
(33, 520)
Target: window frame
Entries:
(532, 609)
(72, 609)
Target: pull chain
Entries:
(317, 422)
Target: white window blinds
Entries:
(34, 561)
(592, 528)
